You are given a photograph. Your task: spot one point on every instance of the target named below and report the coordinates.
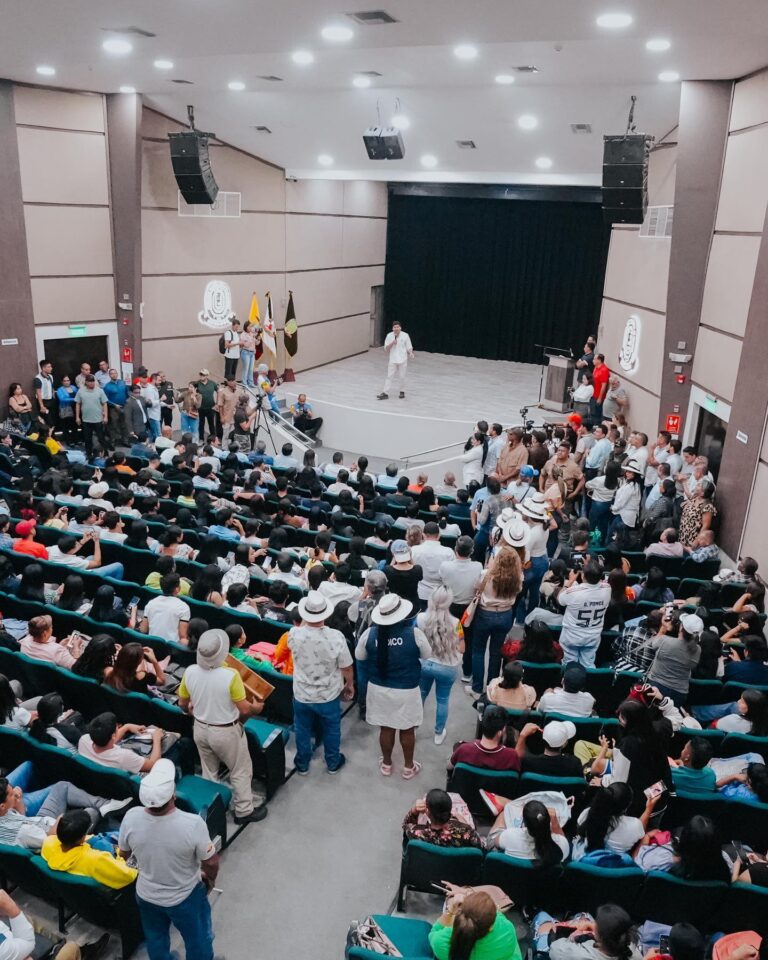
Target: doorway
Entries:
(710, 439)
(66, 354)
(376, 338)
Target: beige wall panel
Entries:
(716, 362)
(728, 288)
(57, 108)
(764, 448)
(750, 102)
(182, 360)
(314, 196)
(637, 269)
(68, 240)
(364, 241)
(156, 125)
(755, 543)
(171, 304)
(173, 244)
(651, 346)
(365, 198)
(73, 299)
(333, 293)
(62, 167)
(332, 341)
(158, 186)
(744, 189)
(661, 176)
(312, 242)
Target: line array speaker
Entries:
(192, 168)
(625, 178)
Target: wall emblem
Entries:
(217, 305)
(629, 355)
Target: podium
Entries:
(559, 381)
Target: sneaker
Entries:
(439, 737)
(342, 761)
(92, 951)
(491, 802)
(302, 773)
(112, 806)
(257, 814)
(383, 396)
(402, 395)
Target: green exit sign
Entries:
(77, 330)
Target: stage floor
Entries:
(438, 385)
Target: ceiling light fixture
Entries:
(543, 163)
(527, 121)
(236, 85)
(614, 21)
(657, 46)
(429, 160)
(126, 89)
(504, 78)
(46, 71)
(325, 160)
(361, 82)
(117, 46)
(337, 33)
(303, 57)
(163, 64)
(465, 51)
(669, 76)
(400, 121)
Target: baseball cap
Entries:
(574, 418)
(159, 785)
(528, 471)
(558, 732)
(574, 678)
(690, 622)
(401, 551)
(25, 527)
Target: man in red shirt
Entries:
(26, 543)
(600, 375)
(489, 751)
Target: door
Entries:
(710, 439)
(377, 316)
(67, 353)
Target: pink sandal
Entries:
(385, 769)
(410, 772)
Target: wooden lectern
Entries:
(559, 381)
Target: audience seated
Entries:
(433, 821)
(571, 698)
(489, 751)
(72, 849)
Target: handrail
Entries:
(422, 453)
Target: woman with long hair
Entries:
(535, 835)
(138, 536)
(130, 674)
(32, 586)
(748, 714)
(474, 460)
(20, 406)
(537, 646)
(698, 852)
(509, 691)
(499, 588)
(171, 544)
(654, 588)
(55, 726)
(471, 926)
(601, 491)
(12, 714)
(71, 595)
(606, 825)
(109, 608)
(446, 638)
(207, 586)
(427, 500)
(209, 552)
(95, 662)
(356, 558)
(610, 936)
(626, 504)
(381, 536)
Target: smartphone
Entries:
(439, 887)
(332, 547)
(664, 944)
(267, 565)
(655, 789)
(133, 602)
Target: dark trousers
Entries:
(230, 367)
(191, 917)
(207, 423)
(116, 426)
(308, 425)
(91, 430)
(457, 610)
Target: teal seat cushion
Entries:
(411, 937)
(199, 793)
(264, 731)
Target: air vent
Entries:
(581, 128)
(466, 145)
(226, 204)
(262, 129)
(189, 82)
(272, 78)
(129, 31)
(658, 223)
(528, 68)
(372, 18)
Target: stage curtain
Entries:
(491, 278)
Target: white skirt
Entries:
(398, 709)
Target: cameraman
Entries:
(266, 388)
(585, 598)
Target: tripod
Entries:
(262, 424)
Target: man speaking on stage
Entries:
(399, 348)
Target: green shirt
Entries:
(207, 393)
(500, 943)
(702, 782)
(90, 404)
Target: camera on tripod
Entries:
(527, 424)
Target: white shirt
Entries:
(232, 340)
(495, 447)
(473, 465)
(627, 832)
(626, 503)
(572, 704)
(518, 843)
(639, 455)
(339, 591)
(401, 349)
(585, 605)
(430, 555)
(660, 455)
(166, 457)
(164, 614)
(67, 559)
(121, 758)
(151, 395)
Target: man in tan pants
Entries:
(215, 696)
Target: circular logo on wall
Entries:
(217, 305)
(630, 345)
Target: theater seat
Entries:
(586, 887)
(410, 936)
(668, 899)
(424, 864)
(467, 781)
(524, 883)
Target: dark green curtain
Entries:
(491, 278)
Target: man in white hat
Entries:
(216, 697)
(322, 678)
(177, 863)
(554, 762)
(585, 605)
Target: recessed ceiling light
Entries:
(614, 21)
(337, 33)
(361, 81)
(669, 76)
(429, 160)
(303, 57)
(236, 85)
(126, 89)
(117, 45)
(465, 51)
(400, 121)
(45, 71)
(164, 64)
(527, 121)
(504, 78)
(543, 163)
(325, 160)
(658, 46)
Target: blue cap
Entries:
(528, 472)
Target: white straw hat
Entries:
(391, 609)
(314, 608)
(517, 533)
(533, 506)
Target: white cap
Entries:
(159, 785)
(558, 732)
(692, 624)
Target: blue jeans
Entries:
(617, 525)
(190, 424)
(114, 570)
(600, 518)
(23, 777)
(443, 678)
(328, 717)
(191, 917)
(153, 426)
(529, 596)
(488, 626)
(246, 360)
(361, 681)
(714, 711)
(50, 801)
(583, 653)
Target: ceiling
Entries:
(585, 74)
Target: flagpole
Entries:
(290, 338)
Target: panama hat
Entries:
(314, 608)
(212, 649)
(533, 506)
(632, 466)
(504, 517)
(391, 609)
(517, 533)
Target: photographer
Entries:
(266, 388)
(585, 598)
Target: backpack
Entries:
(222, 344)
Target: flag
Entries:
(291, 331)
(255, 320)
(268, 335)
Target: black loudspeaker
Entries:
(384, 143)
(192, 168)
(625, 178)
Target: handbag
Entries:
(369, 935)
(469, 614)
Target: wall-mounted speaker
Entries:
(625, 178)
(384, 143)
(192, 168)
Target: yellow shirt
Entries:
(85, 861)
